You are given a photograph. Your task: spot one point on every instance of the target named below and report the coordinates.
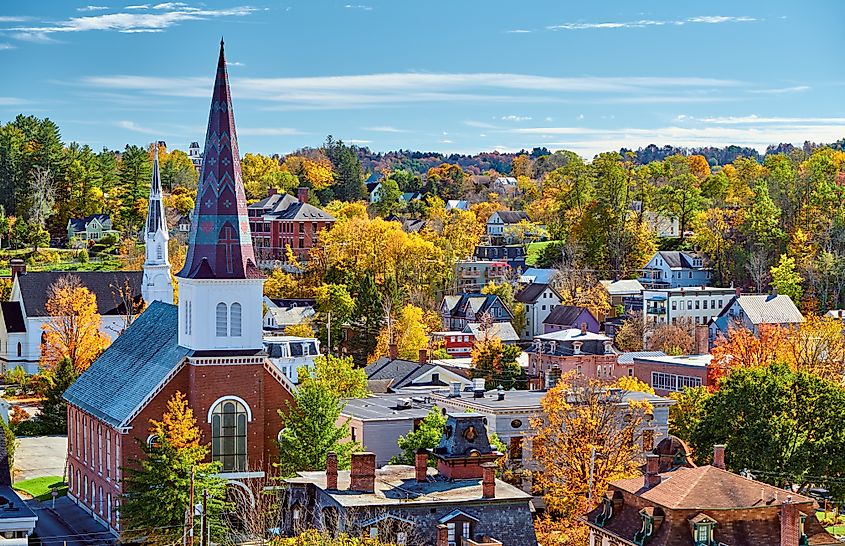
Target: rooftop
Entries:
(526, 400)
(572, 334)
(386, 407)
(697, 361)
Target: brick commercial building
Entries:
(209, 348)
(678, 504)
(461, 503)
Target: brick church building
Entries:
(209, 346)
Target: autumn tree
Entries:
(446, 181)
(312, 537)
(672, 339)
(316, 171)
(786, 279)
(586, 430)
(73, 330)
(581, 288)
(629, 337)
(687, 411)
(816, 346)
(158, 486)
(261, 173)
(496, 363)
(339, 375)
(408, 331)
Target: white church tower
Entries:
(157, 283)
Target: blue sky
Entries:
(451, 76)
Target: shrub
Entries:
(82, 256)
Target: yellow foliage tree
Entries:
(178, 425)
(409, 332)
(300, 330)
(281, 284)
(318, 172)
(73, 330)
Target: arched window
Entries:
(235, 320)
(222, 326)
(228, 435)
(100, 498)
(85, 487)
(19, 348)
(153, 441)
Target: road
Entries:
(38, 456)
(54, 531)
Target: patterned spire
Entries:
(155, 214)
(220, 245)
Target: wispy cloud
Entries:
(359, 6)
(135, 128)
(168, 15)
(781, 90)
(385, 129)
(518, 31)
(4, 47)
(643, 23)
(516, 118)
(138, 6)
(12, 101)
(756, 120)
(13, 19)
(92, 8)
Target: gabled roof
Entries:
(304, 212)
(13, 317)
(622, 287)
(767, 308)
(532, 292)
(477, 303)
(413, 225)
(679, 259)
(512, 216)
(105, 285)
(402, 373)
(81, 224)
(628, 358)
(539, 275)
(502, 330)
(572, 334)
(122, 378)
(566, 315)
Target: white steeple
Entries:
(157, 284)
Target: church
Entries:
(209, 346)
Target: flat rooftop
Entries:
(695, 361)
(523, 400)
(387, 407)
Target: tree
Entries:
(681, 198)
(581, 288)
(53, 413)
(312, 537)
(261, 173)
(445, 181)
(409, 332)
(687, 412)
(299, 330)
(43, 197)
(673, 339)
(177, 171)
(73, 330)
(426, 436)
(281, 284)
(786, 279)
(334, 306)
(311, 431)
(629, 338)
(316, 171)
(339, 375)
(388, 197)
(349, 176)
(586, 430)
(158, 486)
(784, 426)
(496, 363)
(134, 185)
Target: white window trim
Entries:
(230, 397)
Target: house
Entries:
(90, 228)
(539, 299)
(413, 225)
(410, 196)
(509, 415)
(281, 221)
(505, 184)
(662, 225)
(501, 223)
(675, 269)
(752, 311)
(457, 204)
(513, 255)
(119, 298)
(568, 317)
(378, 421)
(459, 343)
(458, 311)
(391, 374)
(473, 275)
(538, 275)
(626, 295)
(17, 519)
(290, 353)
(574, 350)
(183, 224)
(676, 503)
(696, 305)
(373, 185)
(281, 313)
(838, 314)
(209, 347)
(667, 374)
(195, 155)
(459, 503)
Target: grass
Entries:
(836, 530)
(41, 488)
(534, 249)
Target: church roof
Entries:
(105, 285)
(220, 245)
(155, 214)
(122, 378)
(13, 317)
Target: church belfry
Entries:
(220, 286)
(157, 284)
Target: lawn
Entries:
(41, 488)
(533, 252)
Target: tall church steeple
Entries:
(220, 286)
(157, 284)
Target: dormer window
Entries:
(703, 534)
(646, 530)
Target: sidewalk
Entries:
(80, 522)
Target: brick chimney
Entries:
(652, 476)
(423, 356)
(738, 291)
(583, 328)
(302, 195)
(442, 535)
(18, 266)
(790, 523)
(421, 465)
(392, 351)
(719, 456)
(488, 481)
(363, 474)
(702, 339)
(331, 470)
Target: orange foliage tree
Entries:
(73, 330)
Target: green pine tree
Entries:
(53, 414)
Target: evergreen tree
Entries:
(349, 176)
(53, 414)
(158, 487)
(134, 185)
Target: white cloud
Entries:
(135, 128)
(6, 46)
(516, 118)
(132, 22)
(235, 63)
(781, 90)
(518, 31)
(446, 142)
(754, 120)
(138, 6)
(13, 19)
(267, 131)
(359, 6)
(643, 23)
(12, 101)
(358, 141)
(385, 129)
(92, 8)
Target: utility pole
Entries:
(592, 471)
(191, 509)
(330, 332)
(204, 527)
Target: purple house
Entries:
(564, 317)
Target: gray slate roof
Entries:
(679, 259)
(105, 285)
(13, 317)
(132, 367)
(566, 315)
(768, 309)
(512, 216)
(531, 293)
(81, 224)
(402, 372)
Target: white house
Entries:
(90, 228)
(501, 220)
(290, 353)
(698, 305)
(662, 225)
(539, 299)
(673, 269)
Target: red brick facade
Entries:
(589, 365)
(271, 236)
(97, 452)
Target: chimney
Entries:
(719, 456)
(423, 356)
(271, 191)
(363, 473)
(608, 347)
(454, 390)
(774, 291)
(442, 535)
(500, 393)
(478, 387)
(583, 328)
(392, 351)
(302, 195)
(702, 342)
(652, 476)
(488, 481)
(738, 291)
(790, 523)
(552, 377)
(331, 470)
(576, 347)
(18, 266)
(421, 465)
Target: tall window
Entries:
(235, 320)
(222, 326)
(228, 435)
(159, 252)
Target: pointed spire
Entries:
(220, 244)
(155, 212)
